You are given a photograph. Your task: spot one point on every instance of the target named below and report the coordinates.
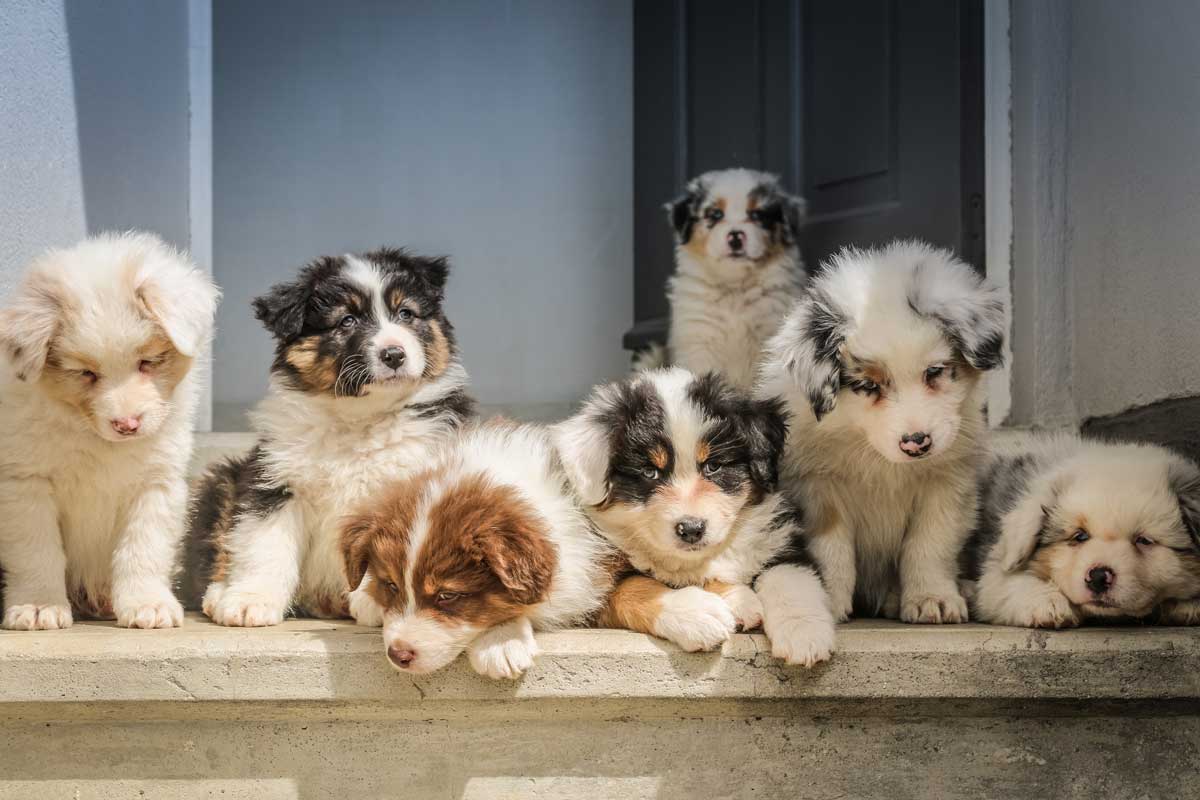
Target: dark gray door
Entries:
(870, 109)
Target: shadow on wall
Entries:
(129, 65)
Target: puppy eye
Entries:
(650, 474)
(1143, 540)
(710, 468)
(406, 315)
(1081, 536)
(391, 587)
(348, 321)
(714, 215)
(88, 375)
(934, 372)
(446, 598)
(865, 386)
(147, 365)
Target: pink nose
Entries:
(127, 426)
(402, 654)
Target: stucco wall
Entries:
(497, 133)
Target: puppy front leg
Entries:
(796, 614)
(264, 555)
(1179, 612)
(145, 557)
(504, 651)
(939, 526)
(690, 617)
(833, 550)
(363, 607)
(31, 550)
(1021, 599)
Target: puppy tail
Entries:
(653, 357)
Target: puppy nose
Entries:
(402, 654)
(393, 357)
(916, 444)
(690, 529)
(1100, 579)
(736, 239)
(126, 426)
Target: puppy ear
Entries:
(1023, 528)
(521, 556)
(1184, 479)
(435, 271)
(31, 320)
(807, 347)
(354, 541)
(283, 308)
(682, 211)
(972, 315)
(178, 298)
(582, 442)
(766, 433)
(795, 212)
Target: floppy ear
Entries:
(521, 556)
(355, 538)
(1184, 479)
(283, 308)
(971, 313)
(582, 442)
(795, 211)
(807, 347)
(179, 299)
(765, 430)
(682, 211)
(31, 320)
(1023, 527)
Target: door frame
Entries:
(998, 209)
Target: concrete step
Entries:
(311, 709)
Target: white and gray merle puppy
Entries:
(97, 401)
(365, 386)
(1072, 529)
(737, 270)
(679, 472)
(881, 364)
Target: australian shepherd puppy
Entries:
(476, 552)
(737, 271)
(365, 385)
(881, 364)
(97, 399)
(679, 472)
(1071, 529)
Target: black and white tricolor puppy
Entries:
(737, 270)
(365, 385)
(679, 472)
(881, 363)
(1072, 529)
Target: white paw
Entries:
(504, 652)
(164, 612)
(746, 607)
(365, 610)
(246, 610)
(1053, 610)
(802, 642)
(1180, 612)
(933, 609)
(30, 617)
(694, 619)
(842, 607)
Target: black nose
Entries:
(392, 356)
(1100, 579)
(690, 529)
(916, 444)
(736, 239)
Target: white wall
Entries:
(1106, 191)
(497, 133)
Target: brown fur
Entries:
(437, 352)
(634, 605)
(318, 373)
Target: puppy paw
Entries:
(934, 609)
(504, 652)
(1052, 611)
(747, 608)
(802, 643)
(365, 610)
(165, 612)
(694, 619)
(245, 610)
(1180, 612)
(30, 617)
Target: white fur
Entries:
(694, 619)
(884, 524)
(82, 509)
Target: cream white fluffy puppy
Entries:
(737, 271)
(1072, 529)
(98, 393)
(881, 364)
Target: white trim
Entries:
(200, 172)
(997, 81)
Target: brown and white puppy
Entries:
(365, 386)
(97, 398)
(679, 472)
(476, 552)
(1072, 529)
(737, 271)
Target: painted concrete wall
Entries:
(1106, 187)
(93, 123)
(497, 133)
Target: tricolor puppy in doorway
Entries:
(98, 392)
(882, 363)
(679, 472)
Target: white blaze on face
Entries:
(433, 642)
(390, 332)
(732, 189)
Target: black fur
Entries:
(826, 330)
(637, 423)
(684, 212)
(796, 551)
(778, 212)
(1002, 482)
(755, 430)
(457, 406)
(1184, 480)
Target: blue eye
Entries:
(348, 321)
(650, 474)
(865, 386)
(934, 372)
(1081, 536)
(406, 315)
(710, 468)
